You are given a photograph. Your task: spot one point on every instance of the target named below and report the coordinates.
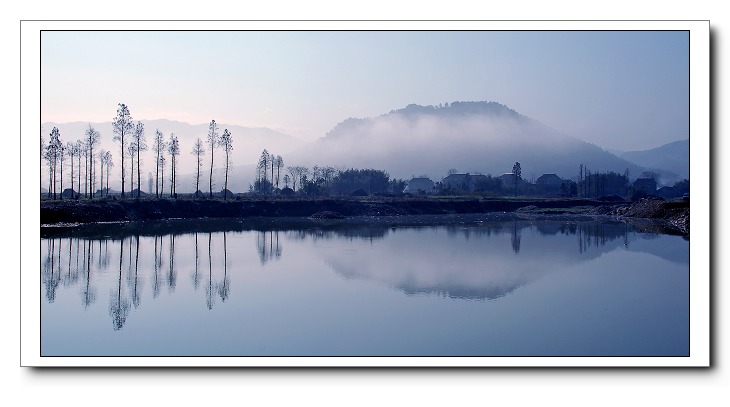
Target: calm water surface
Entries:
(481, 287)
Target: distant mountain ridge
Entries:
(673, 157)
(476, 137)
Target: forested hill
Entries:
(476, 137)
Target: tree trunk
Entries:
(225, 188)
(157, 173)
(210, 191)
(197, 176)
(139, 188)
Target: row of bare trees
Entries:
(268, 164)
(132, 142)
(225, 141)
(55, 152)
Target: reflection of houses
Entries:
(647, 185)
(549, 184)
(420, 185)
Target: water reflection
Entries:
(472, 260)
(267, 243)
(119, 304)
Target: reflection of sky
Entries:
(344, 294)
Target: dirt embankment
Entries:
(672, 213)
(116, 210)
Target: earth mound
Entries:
(327, 215)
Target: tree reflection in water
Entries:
(196, 278)
(172, 275)
(516, 237)
(88, 293)
(76, 257)
(209, 298)
(118, 305)
(267, 244)
(157, 267)
(49, 277)
(134, 282)
(225, 286)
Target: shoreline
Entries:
(116, 210)
(666, 214)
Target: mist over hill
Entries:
(475, 137)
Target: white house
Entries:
(419, 185)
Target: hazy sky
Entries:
(625, 90)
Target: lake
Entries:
(408, 286)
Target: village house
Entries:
(419, 185)
(459, 182)
(647, 185)
(507, 179)
(549, 184)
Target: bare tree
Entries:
(48, 157)
(279, 165)
(198, 150)
(303, 172)
(226, 141)
(159, 148)
(132, 150)
(91, 140)
(262, 169)
(61, 155)
(85, 152)
(212, 142)
(140, 144)
(72, 150)
(293, 172)
(122, 125)
(272, 160)
(102, 153)
(328, 174)
(109, 163)
(173, 147)
(53, 149)
(517, 174)
(162, 173)
(298, 173)
(79, 151)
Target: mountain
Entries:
(672, 157)
(248, 143)
(476, 137)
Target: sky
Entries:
(621, 90)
